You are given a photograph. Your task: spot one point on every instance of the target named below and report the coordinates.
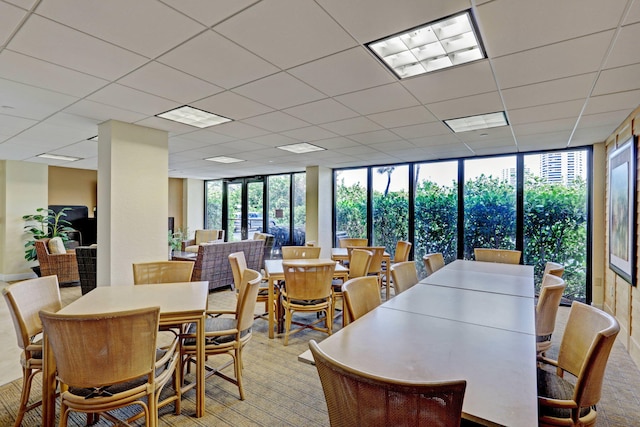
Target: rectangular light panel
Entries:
(440, 44)
(483, 121)
(58, 157)
(193, 117)
(224, 159)
(300, 148)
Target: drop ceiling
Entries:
(566, 73)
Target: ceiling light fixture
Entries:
(483, 121)
(301, 147)
(93, 138)
(224, 159)
(193, 117)
(430, 47)
(58, 157)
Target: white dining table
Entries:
(445, 331)
(179, 303)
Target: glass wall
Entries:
(299, 207)
(351, 203)
(390, 206)
(279, 210)
(213, 208)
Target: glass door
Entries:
(245, 208)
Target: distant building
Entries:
(562, 167)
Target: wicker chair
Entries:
(546, 310)
(25, 299)
(301, 252)
(212, 262)
(109, 361)
(404, 275)
(584, 351)
(87, 257)
(202, 237)
(433, 262)
(361, 295)
(65, 265)
(357, 398)
(505, 256)
(162, 272)
(228, 335)
(307, 288)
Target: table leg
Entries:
(271, 307)
(48, 384)
(200, 367)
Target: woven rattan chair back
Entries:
(300, 252)
(361, 295)
(433, 262)
(145, 273)
(505, 256)
(404, 276)
(25, 300)
(546, 310)
(357, 398)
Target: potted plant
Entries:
(44, 223)
(175, 239)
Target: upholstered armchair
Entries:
(56, 262)
(202, 237)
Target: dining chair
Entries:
(356, 398)
(376, 265)
(300, 252)
(401, 253)
(345, 242)
(404, 276)
(154, 272)
(584, 351)
(546, 309)
(307, 288)
(238, 267)
(25, 299)
(109, 361)
(361, 295)
(358, 266)
(433, 262)
(505, 256)
(227, 332)
(553, 268)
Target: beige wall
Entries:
(176, 200)
(620, 298)
(69, 186)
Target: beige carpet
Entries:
(284, 392)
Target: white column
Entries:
(319, 208)
(193, 207)
(133, 199)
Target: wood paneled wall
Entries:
(620, 298)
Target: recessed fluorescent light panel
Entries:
(193, 117)
(440, 44)
(223, 159)
(58, 157)
(300, 148)
(483, 121)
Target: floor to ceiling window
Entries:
(533, 202)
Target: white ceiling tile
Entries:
(625, 51)
(209, 12)
(543, 141)
(56, 134)
(348, 71)
(323, 111)
(564, 126)
(25, 4)
(49, 41)
(169, 83)
(430, 141)
(351, 126)
(16, 151)
(634, 14)
(336, 143)
(166, 125)
(276, 121)
(403, 117)
(610, 118)
(232, 105)
(613, 102)
(456, 82)
(239, 130)
(384, 18)
(468, 106)
(10, 125)
(217, 60)
(207, 137)
(533, 26)
(375, 137)
(564, 59)
(274, 140)
(310, 133)
(378, 99)
(180, 144)
(10, 17)
(82, 149)
(117, 95)
(286, 33)
(391, 146)
(559, 90)
(618, 80)
(103, 112)
(560, 110)
(240, 146)
(418, 131)
(30, 102)
(279, 91)
(484, 136)
(24, 69)
(146, 27)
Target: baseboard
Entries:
(17, 277)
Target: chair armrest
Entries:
(186, 243)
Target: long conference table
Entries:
(179, 303)
(469, 320)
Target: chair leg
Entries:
(27, 379)
(238, 367)
(288, 314)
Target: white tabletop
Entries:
(492, 267)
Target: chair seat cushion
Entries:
(215, 324)
(552, 386)
(56, 246)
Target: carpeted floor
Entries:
(281, 391)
